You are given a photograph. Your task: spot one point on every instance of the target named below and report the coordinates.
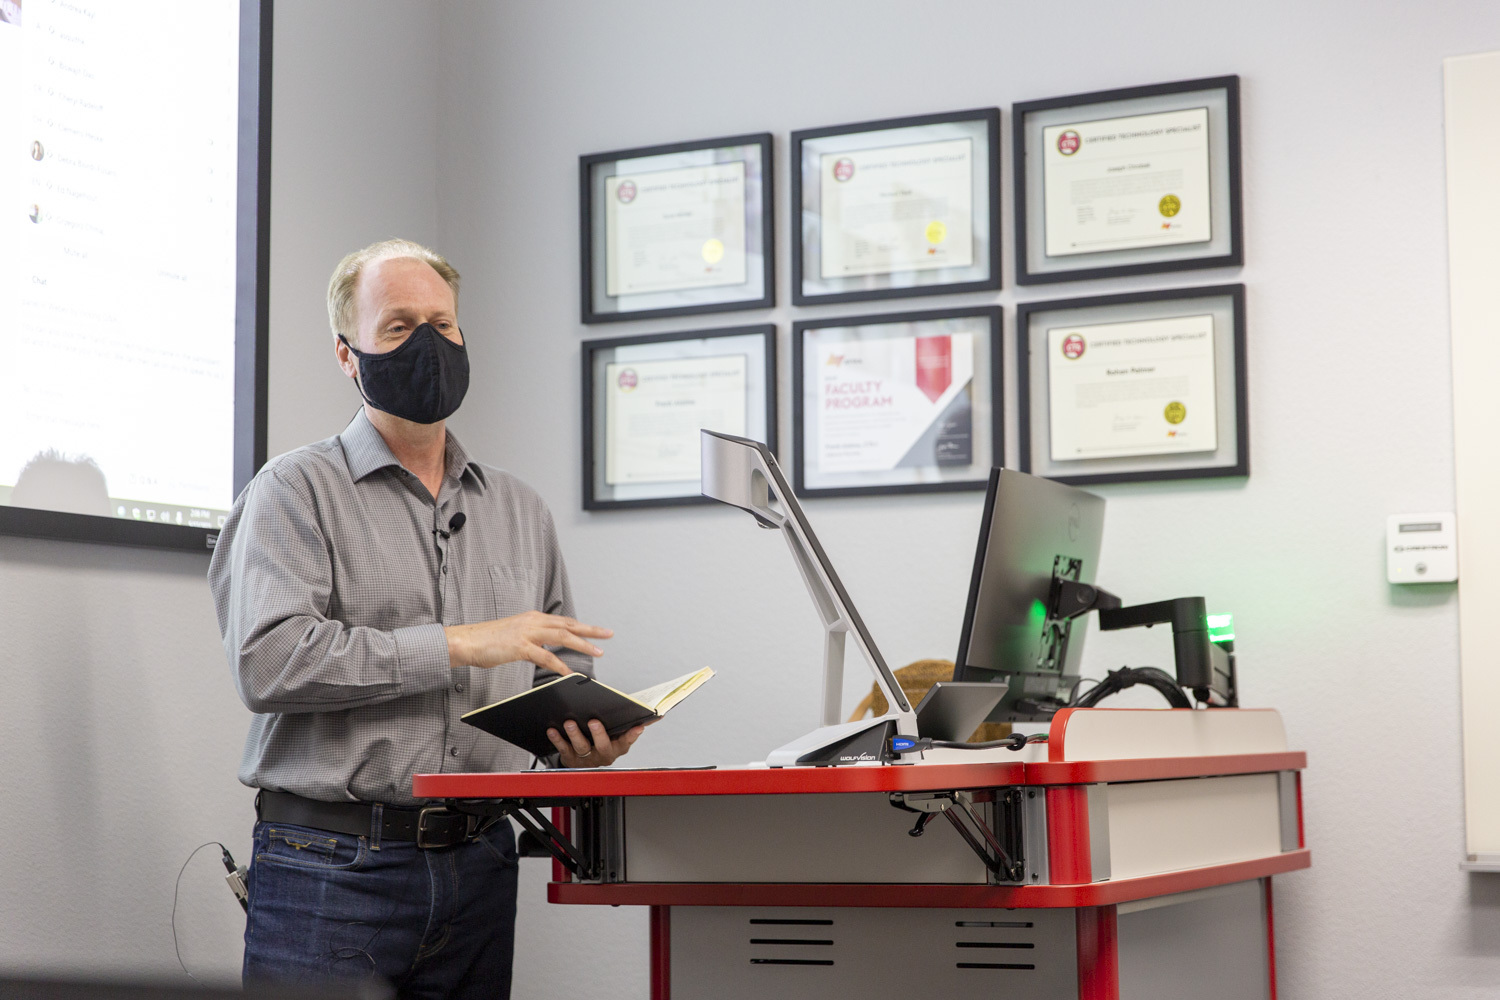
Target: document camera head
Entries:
(736, 471)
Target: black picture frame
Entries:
(994, 371)
(590, 224)
(802, 224)
(252, 314)
(1224, 180)
(1170, 468)
(594, 455)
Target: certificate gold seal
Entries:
(1175, 413)
(713, 251)
(936, 232)
(1169, 205)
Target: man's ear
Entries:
(346, 360)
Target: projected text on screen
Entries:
(118, 145)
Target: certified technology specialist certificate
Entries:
(1141, 388)
(1122, 183)
(893, 403)
(670, 230)
(898, 208)
(653, 411)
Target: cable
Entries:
(1073, 691)
(234, 874)
(1118, 680)
(1015, 741)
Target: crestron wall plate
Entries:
(1421, 548)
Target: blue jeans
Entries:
(435, 923)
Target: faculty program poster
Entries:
(894, 403)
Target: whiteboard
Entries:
(1472, 115)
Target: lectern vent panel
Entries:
(777, 956)
(1016, 963)
(995, 944)
(798, 923)
(751, 953)
(994, 965)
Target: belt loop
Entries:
(377, 823)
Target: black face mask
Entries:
(423, 380)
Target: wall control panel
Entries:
(1421, 548)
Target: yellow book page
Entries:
(663, 696)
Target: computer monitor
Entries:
(1033, 531)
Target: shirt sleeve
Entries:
(272, 579)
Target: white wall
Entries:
(1349, 395)
(120, 731)
(461, 123)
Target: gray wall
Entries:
(461, 123)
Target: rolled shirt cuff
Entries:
(422, 657)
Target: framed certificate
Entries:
(671, 230)
(1122, 388)
(907, 206)
(1128, 181)
(646, 398)
(903, 403)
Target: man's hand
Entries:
(522, 637)
(577, 751)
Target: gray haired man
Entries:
(372, 588)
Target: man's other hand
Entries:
(522, 637)
(577, 750)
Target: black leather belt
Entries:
(430, 826)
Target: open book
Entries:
(524, 719)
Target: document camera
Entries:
(744, 474)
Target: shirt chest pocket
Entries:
(513, 590)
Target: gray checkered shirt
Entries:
(332, 585)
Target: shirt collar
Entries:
(459, 462)
(367, 452)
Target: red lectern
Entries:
(1129, 856)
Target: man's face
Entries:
(392, 299)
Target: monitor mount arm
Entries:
(1206, 668)
(741, 473)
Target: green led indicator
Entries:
(1221, 628)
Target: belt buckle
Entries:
(422, 841)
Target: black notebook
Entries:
(524, 719)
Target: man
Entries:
(371, 589)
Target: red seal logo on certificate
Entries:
(1073, 346)
(843, 169)
(625, 192)
(628, 380)
(1068, 143)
